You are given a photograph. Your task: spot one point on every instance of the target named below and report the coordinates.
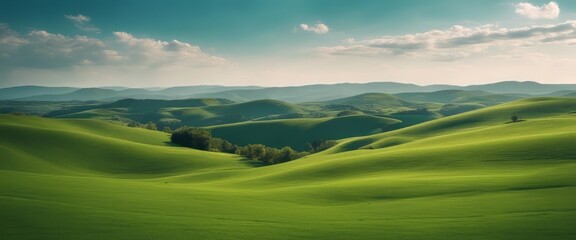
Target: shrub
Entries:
(320, 145)
(514, 118)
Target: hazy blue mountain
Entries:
(527, 87)
(84, 94)
(28, 91)
(442, 96)
(191, 90)
(314, 93)
(295, 94)
(117, 93)
(561, 93)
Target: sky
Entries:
(147, 43)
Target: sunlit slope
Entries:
(471, 142)
(297, 133)
(453, 178)
(41, 145)
(530, 111)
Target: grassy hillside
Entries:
(191, 112)
(471, 176)
(297, 133)
(231, 113)
(529, 110)
(92, 147)
(374, 101)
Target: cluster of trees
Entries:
(320, 145)
(202, 139)
(269, 155)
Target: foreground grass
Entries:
(77, 179)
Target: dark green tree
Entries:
(514, 118)
(192, 137)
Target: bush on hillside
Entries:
(221, 145)
(151, 126)
(269, 155)
(320, 145)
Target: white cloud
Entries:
(9, 38)
(82, 22)
(41, 49)
(44, 50)
(152, 51)
(457, 42)
(547, 11)
(319, 28)
(78, 19)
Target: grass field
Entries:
(469, 176)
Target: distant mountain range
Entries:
(308, 93)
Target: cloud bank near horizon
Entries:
(297, 51)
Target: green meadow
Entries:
(474, 175)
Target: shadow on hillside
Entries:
(171, 144)
(355, 145)
(517, 121)
(252, 162)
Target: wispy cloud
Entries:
(457, 42)
(547, 11)
(82, 22)
(44, 50)
(41, 49)
(152, 51)
(319, 28)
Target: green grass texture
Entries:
(469, 176)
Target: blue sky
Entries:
(290, 42)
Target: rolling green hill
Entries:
(469, 176)
(529, 109)
(232, 113)
(191, 112)
(461, 97)
(374, 100)
(92, 147)
(297, 133)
